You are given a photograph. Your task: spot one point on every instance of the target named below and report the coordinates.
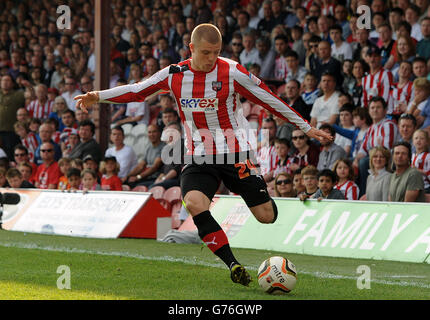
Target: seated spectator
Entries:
(249, 54)
(294, 100)
(118, 109)
(326, 186)
(172, 156)
(310, 181)
(124, 155)
(28, 138)
(16, 180)
(405, 51)
(266, 156)
(89, 180)
(325, 108)
(59, 106)
(419, 67)
(345, 119)
(149, 168)
(310, 89)
(27, 171)
(402, 92)
(298, 181)
(295, 70)
(348, 79)
(41, 107)
(340, 49)
(359, 70)
(361, 120)
(282, 146)
(345, 179)
(87, 144)
(48, 173)
(266, 58)
(407, 125)
(64, 165)
(136, 113)
(406, 184)
(421, 157)
(378, 181)
(327, 64)
(168, 115)
(423, 46)
(330, 152)
(70, 92)
(46, 132)
(74, 179)
(110, 180)
(306, 152)
(422, 94)
(284, 186)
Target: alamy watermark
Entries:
(364, 21)
(64, 281)
(64, 20)
(363, 281)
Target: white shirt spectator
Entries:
(71, 104)
(126, 158)
(248, 58)
(343, 52)
(323, 110)
(135, 109)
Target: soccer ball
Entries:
(277, 275)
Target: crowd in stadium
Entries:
(368, 88)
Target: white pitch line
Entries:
(196, 261)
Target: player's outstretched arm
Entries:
(86, 101)
(319, 134)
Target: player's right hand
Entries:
(85, 101)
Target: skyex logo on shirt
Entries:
(199, 104)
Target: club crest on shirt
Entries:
(216, 85)
(254, 79)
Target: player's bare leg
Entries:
(211, 233)
(266, 212)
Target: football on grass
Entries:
(277, 275)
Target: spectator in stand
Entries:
(41, 107)
(74, 179)
(267, 157)
(324, 28)
(423, 46)
(406, 184)
(149, 168)
(293, 98)
(407, 125)
(110, 180)
(378, 181)
(402, 92)
(378, 82)
(282, 147)
(10, 101)
(295, 71)
(326, 107)
(249, 54)
(405, 51)
(124, 154)
(326, 186)
(312, 53)
(310, 181)
(22, 115)
(340, 49)
(284, 186)
(330, 152)
(89, 180)
(421, 157)
(64, 164)
(382, 132)
(345, 179)
(59, 106)
(28, 138)
(87, 144)
(46, 132)
(387, 42)
(362, 41)
(16, 180)
(412, 15)
(345, 122)
(267, 23)
(21, 156)
(419, 67)
(281, 48)
(341, 15)
(86, 84)
(48, 173)
(298, 182)
(310, 89)
(236, 47)
(70, 93)
(307, 153)
(326, 63)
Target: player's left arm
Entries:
(253, 89)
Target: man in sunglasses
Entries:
(48, 173)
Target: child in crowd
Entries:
(28, 138)
(64, 165)
(74, 179)
(311, 91)
(421, 158)
(15, 179)
(77, 163)
(89, 180)
(34, 125)
(298, 181)
(326, 183)
(310, 181)
(345, 179)
(110, 180)
(26, 170)
(346, 122)
(282, 147)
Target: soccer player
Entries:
(207, 88)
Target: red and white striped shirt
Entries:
(208, 103)
(422, 162)
(349, 189)
(398, 95)
(267, 159)
(377, 84)
(31, 143)
(384, 133)
(40, 111)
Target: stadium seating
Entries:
(140, 189)
(173, 195)
(139, 130)
(127, 128)
(176, 210)
(158, 194)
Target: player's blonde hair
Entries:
(206, 31)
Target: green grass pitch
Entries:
(148, 269)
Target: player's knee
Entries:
(194, 206)
(269, 214)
